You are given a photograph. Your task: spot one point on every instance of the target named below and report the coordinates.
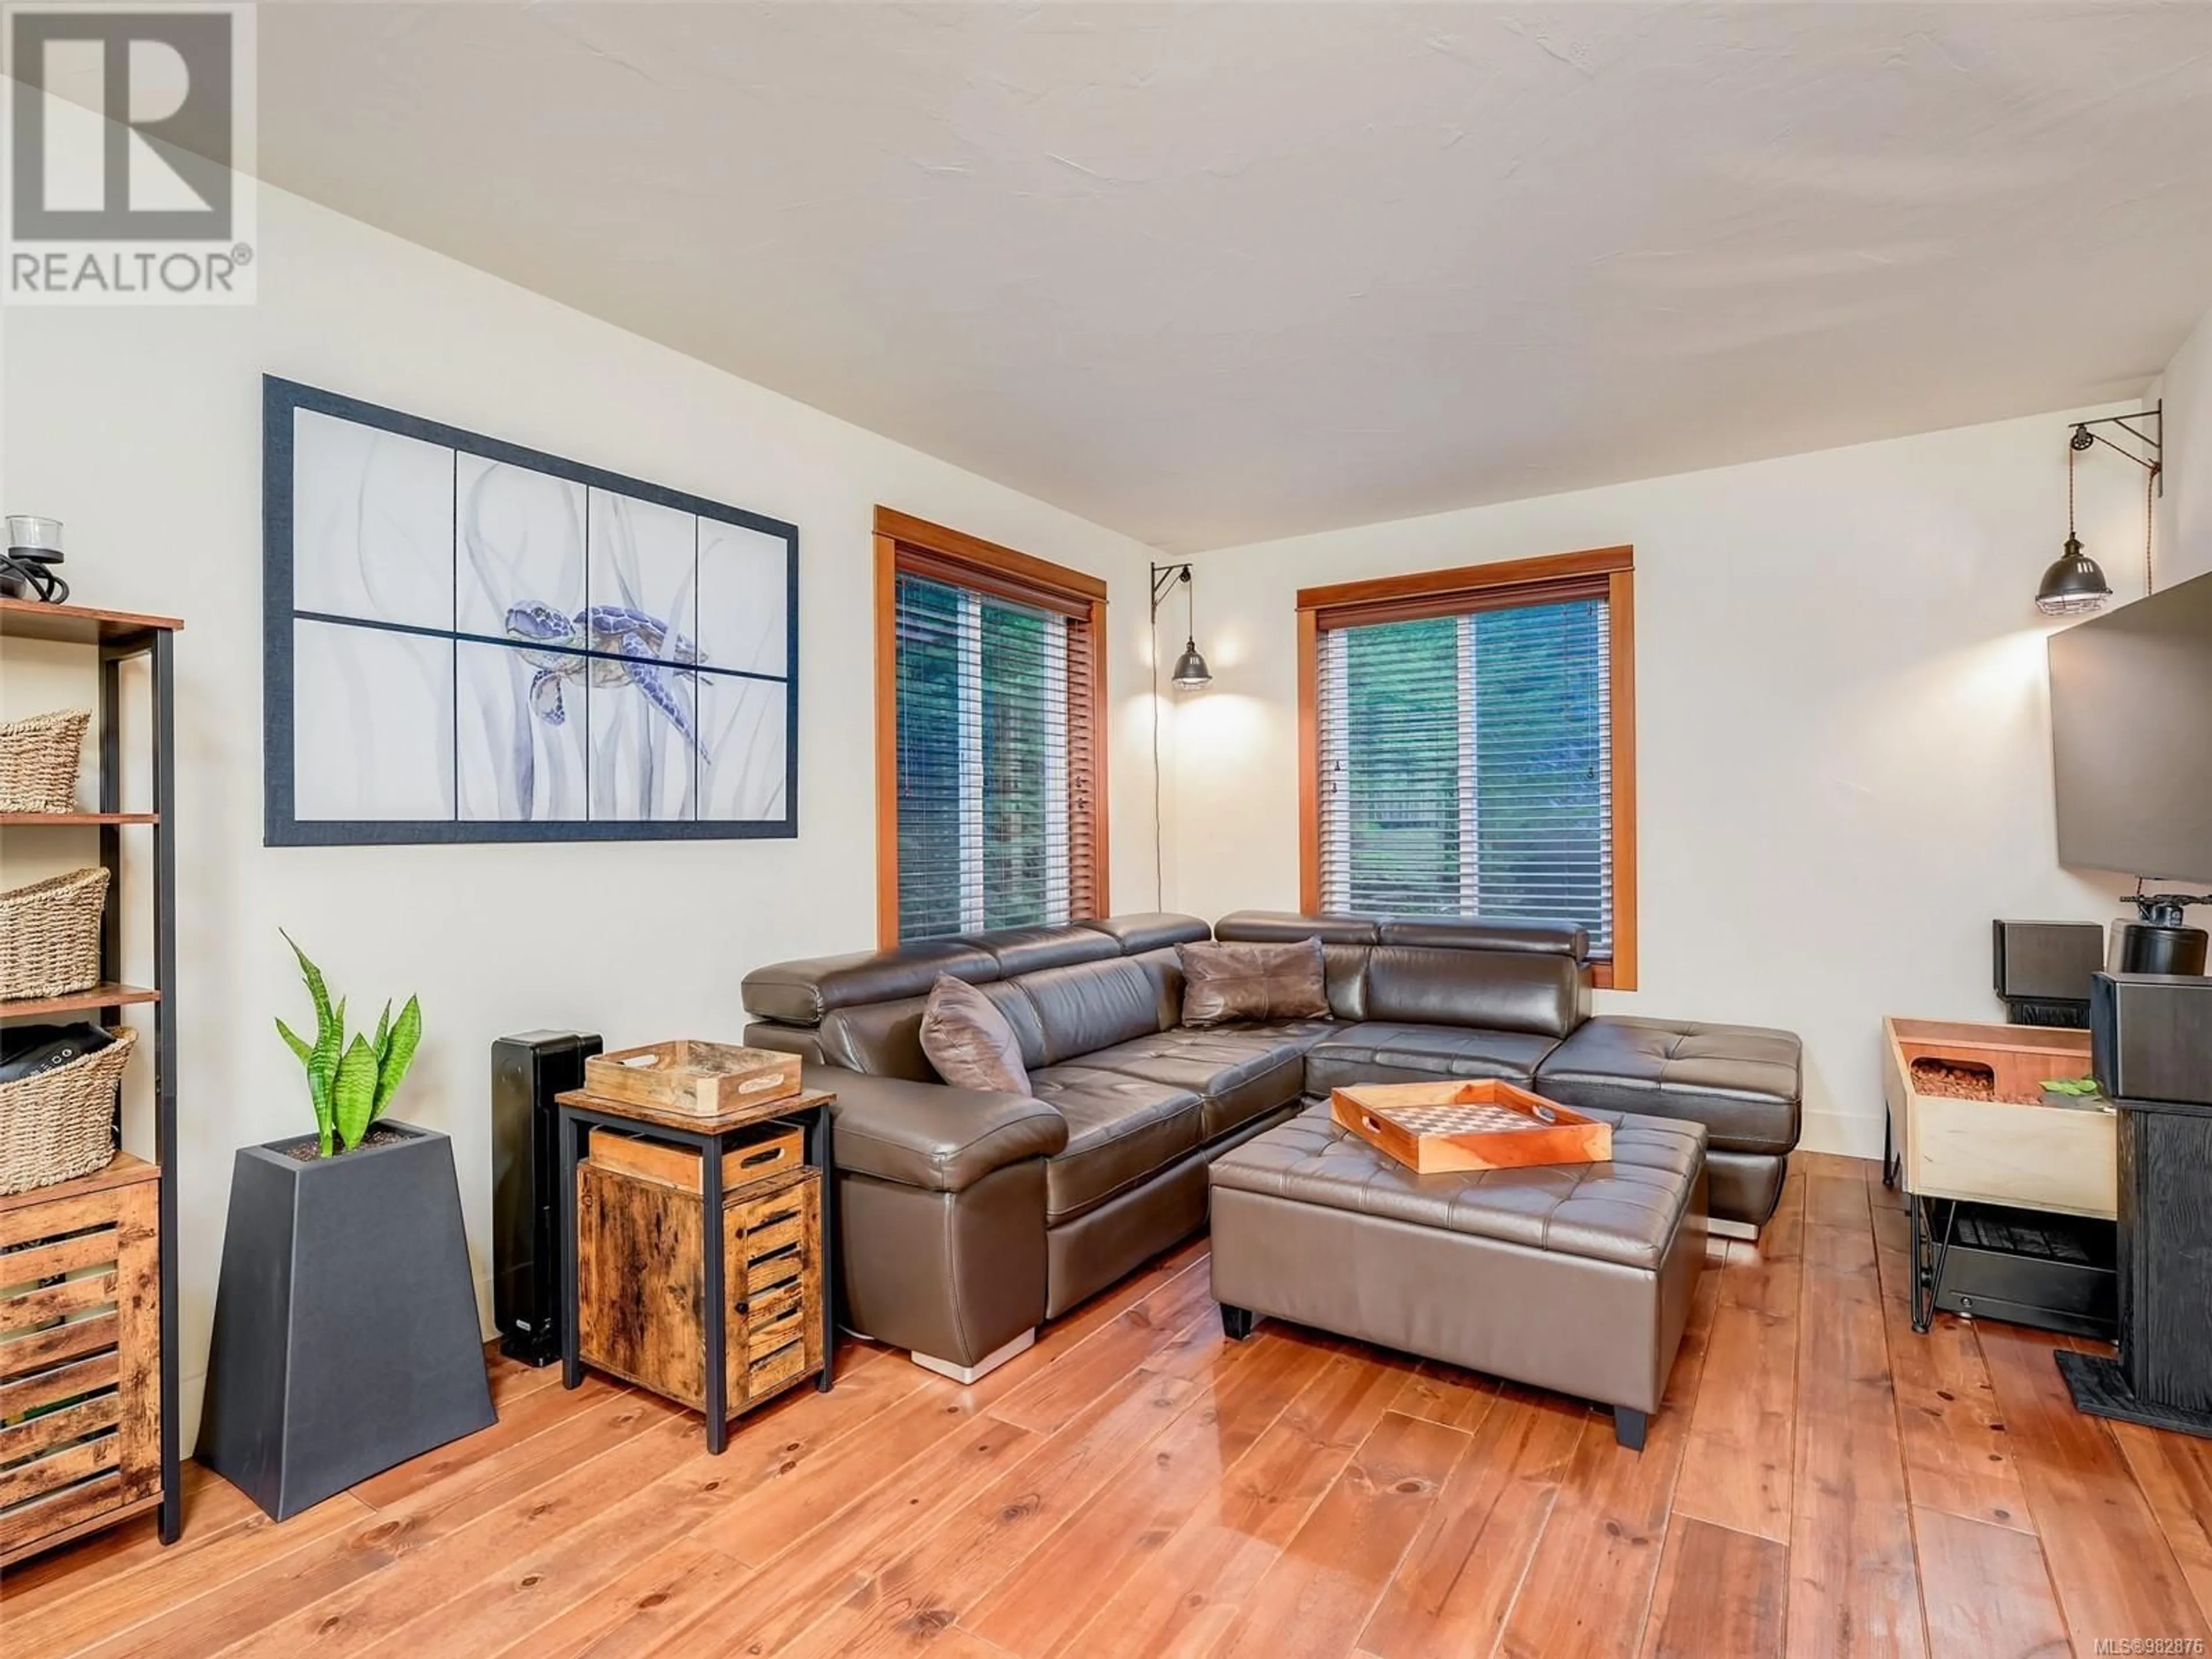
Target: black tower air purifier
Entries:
(527, 1072)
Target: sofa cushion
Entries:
(1509, 990)
(1744, 1083)
(1249, 981)
(1384, 1051)
(1346, 943)
(882, 1039)
(1098, 1004)
(1238, 1072)
(969, 1042)
(1122, 1131)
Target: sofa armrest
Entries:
(930, 1134)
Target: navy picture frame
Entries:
(281, 399)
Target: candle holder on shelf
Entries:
(26, 569)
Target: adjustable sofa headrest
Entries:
(1025, 949)
(1153, 929)
(1550, 938)
(800, 992)
(1544, 939)
(1288, 928)
(1509, 975)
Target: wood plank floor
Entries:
(1821, 1482)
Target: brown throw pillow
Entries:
(1253, 981)
(968, 1040)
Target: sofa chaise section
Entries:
(1466, 997)
(1743, 1083)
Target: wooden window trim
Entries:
(1606, 572)
(906, 544)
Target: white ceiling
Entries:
(1208, 273)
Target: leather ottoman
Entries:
(1571, 1277)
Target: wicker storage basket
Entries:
(49, 935)
(56, 1126)
(38, 759)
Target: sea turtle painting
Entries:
(629, 648)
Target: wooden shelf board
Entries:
(107, 994)
(75, 624)
(79, 819)
(122, 1172)
(101, 1522)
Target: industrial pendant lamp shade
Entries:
(2073, 584)
(1191, 674)
(1190, 670)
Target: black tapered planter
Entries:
(345, 1324)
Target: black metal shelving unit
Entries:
(119, 637)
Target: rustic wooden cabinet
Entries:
(80, 1356)
(698, 1253)
(641, 1283)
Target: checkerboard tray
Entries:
(1431, 1127)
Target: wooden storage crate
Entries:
(80, 1356)
(641, 1287)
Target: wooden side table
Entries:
(710, 1137)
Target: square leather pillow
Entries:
(969, 1042)
(1222, 982)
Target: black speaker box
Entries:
(2150, 1036)
(2042, 969)
(527, 1072)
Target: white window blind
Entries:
(990, 748)
(1467, 766)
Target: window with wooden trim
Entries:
(990, 747)
(1468, 747)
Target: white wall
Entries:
(2185, 516)
(142, 430)
(1841, 716)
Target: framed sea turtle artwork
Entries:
(467, 641)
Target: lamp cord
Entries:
(2150, 515)
(2070, 453)
(1159, 895)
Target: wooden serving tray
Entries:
(704, 1079)
(1431, 1127)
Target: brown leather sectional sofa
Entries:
(968, 1218)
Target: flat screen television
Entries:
(2131, 737)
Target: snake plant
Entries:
(350, 1083)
